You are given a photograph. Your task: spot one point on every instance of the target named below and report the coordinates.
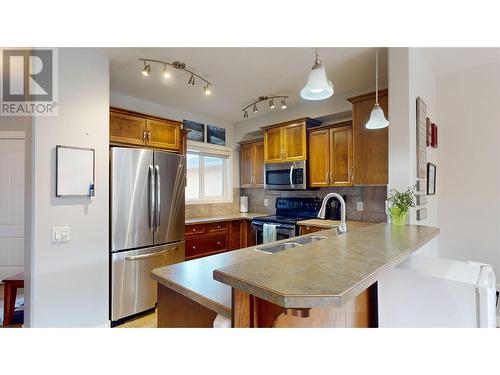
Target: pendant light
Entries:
(377, 118)
(318, 86)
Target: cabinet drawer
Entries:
(216, 227)
(206, 244)
(306, 229)
(194, 229)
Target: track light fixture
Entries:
(263, 99)
(146, 71)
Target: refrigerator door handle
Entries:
(149, 255)
(158, 196)
(152, 198)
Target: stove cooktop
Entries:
(281, 219)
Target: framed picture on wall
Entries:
(431, 179)
(216, 135)
(196, 130)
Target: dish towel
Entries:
(268, 233)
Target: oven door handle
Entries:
(291, 177)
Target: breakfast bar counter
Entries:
(330, 282)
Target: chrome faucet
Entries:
(321, 214)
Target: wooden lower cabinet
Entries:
(213, 238)
(306, 229)
(249, 311)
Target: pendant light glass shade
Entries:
(377, 118)
(318, 86)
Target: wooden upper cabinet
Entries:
(246, 165)
(252, 164)
(341, 156)
(163, 134)
(319, 160)
(287, 141)
(273, 145)
(259, 163)
(294, 142)
(134, 129)
(126, 129)
(331, 156)
(370, 146)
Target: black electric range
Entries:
(288, 212)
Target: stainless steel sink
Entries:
(309, 239)
(271, 249)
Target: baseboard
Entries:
(498, 321)
(104, 325)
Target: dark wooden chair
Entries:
(11, 284)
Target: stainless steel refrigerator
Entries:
(147, 224)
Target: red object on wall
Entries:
(434, 135)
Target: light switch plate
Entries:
(61, 234)
(266, 202)
(360, 206)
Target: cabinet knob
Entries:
(218, 242)
(194, 247)
(308, 227)
(218, 226)
(194, 229)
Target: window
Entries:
(207, 176)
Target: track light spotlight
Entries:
(271, 104)
(207, 90)
(255, 110)
(283, 104)
(166, 73)
(147, 69)
(245, 114)
(191, 80)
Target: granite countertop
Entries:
(231, 217)
(194, 279)
(327, 272)
(322, 223)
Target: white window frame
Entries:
(204, 149)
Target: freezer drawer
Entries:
(132, 288)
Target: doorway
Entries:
(12, 156)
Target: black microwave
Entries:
(285, 176)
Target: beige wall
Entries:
(69, 282)
(468, 173)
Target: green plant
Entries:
(404, 201)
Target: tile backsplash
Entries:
(373, 198)
(215, 209)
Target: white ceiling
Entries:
(239, 75)
(450, 60)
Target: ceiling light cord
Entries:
(376, 77)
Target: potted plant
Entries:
(401, 204)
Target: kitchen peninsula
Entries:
(330, 282)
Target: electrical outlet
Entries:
(61, 234)
(360, 206)
(266, 202)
